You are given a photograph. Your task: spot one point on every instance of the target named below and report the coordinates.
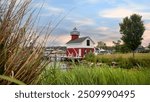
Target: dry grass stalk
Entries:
(20, 55)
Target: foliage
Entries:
(90, 57)
(124, 49)
(120, 48)
(132, 30)
(104, 75)
(117, 45)
(102, 45)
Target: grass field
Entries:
(103, 75)
(128, 55)
(84, 74)
(122, 60)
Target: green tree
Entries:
(102, 45)
(149, 45)
(124, 49)
(132, 30)
(117, 45)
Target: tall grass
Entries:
(122, 60)
(126, 55)
(104, 75)
(20, 53)
(128, 71)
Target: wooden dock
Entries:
(68, 58)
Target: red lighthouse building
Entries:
(79, 46)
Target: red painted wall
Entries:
(73, 37)
(75, 51)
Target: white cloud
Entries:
(38, 5)
(55, 10)
(88, 1)
(102, 28)
(108, 42)
(116, 13)
(83, 22)
(147, 26)
(51, 9)
(146, 35)
(146, 15)
(58, 40)
(135, 5)
(105, 34)
(64, 38)
(121, 12)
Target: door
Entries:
(79, 52)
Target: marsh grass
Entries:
(104, 75)
(122, 60)
(21, 52)
(126, 55)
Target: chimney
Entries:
(74, 34)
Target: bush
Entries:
(90, 57)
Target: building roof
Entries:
(79, 40)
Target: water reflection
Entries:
(60, 65)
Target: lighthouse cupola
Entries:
(74, 34)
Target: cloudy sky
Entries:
(98, 19)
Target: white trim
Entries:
(80, 47)
(80, 52)
(88, 38)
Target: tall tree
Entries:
(132, 30)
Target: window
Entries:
(88, 42)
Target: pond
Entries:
(61, 65)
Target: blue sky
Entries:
(98, 19)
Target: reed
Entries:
(21, 52)
(122, 60)
(104, 75)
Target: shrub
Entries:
(90, 57)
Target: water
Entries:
(61, 65)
